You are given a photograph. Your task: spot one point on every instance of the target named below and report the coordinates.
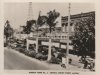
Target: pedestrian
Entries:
(85, 63)
(92, 65)
(70, 60)
(82, 59)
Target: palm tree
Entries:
(28, 28)
(52, 16)
(40, 21)
(8, 31)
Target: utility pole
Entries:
(37, 39)
(68, 34)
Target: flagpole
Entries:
(37, 34)
(37, 41)
(67, 52)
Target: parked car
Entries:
(43, 49)
(13, 45)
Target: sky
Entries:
(17, 13)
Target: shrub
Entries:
(22, 50)
(26, 52)
(70, 60)
(5, 44)
(60, 55)
(32, 53)
(44, 57)
(55, 60)
(38, 56)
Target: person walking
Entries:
(85, 63)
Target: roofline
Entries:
(79, 15)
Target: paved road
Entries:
(15, 61)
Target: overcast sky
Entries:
(17, 13)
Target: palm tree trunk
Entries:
(49, 52)
(50, 44)
(6, 40)
(27, 43)
(37, 44)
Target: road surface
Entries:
(16, 61)
(13, 60)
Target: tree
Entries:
(52, 16)
(28, 28)
(51, 22)
(84, 37)
(8, 31)
(41, 20)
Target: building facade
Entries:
(61, 33)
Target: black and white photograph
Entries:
(49, 36)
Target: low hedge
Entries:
(40, 56)
(32, 54)
(55, 60)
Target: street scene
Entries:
(49, 36)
